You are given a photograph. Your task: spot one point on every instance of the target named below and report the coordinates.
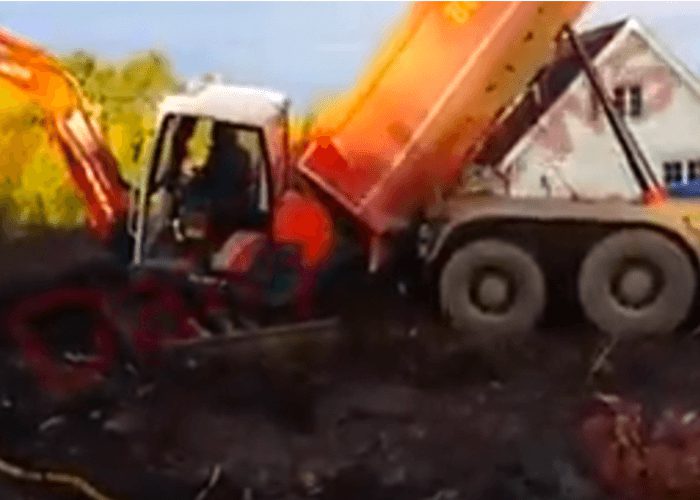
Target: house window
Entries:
(678, 172)
(635, 94)
(628, 100)
(693, 173)
(619, 100)
(673, 172)
(682, 178)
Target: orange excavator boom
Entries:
(92, 166)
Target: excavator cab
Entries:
(217, 164)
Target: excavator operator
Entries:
(223, 188)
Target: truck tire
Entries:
(492, 290)
(636, 283)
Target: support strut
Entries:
(639, 165)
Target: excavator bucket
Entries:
(425, 103)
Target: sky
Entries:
(306, 50)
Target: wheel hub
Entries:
(492, 291)
(636, 285)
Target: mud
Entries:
(415, 415)
(395, 424)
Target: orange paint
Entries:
(93, 168)
(304, 222)
(37, 74)
(655, 196)
(430, 95)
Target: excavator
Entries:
(378, 190)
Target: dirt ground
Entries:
(403, 421)
(413, 416)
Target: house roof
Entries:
(553, 81)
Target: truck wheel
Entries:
(493, 290)
(636, 283)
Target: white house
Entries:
(555, 140)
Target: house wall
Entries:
(572, 148)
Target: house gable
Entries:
(548, 86)
(568, 149)
(519, 125)
(687, 77)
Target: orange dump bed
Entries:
(427, 99)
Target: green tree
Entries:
(127, 95)
(36, 187)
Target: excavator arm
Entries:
(92, 166)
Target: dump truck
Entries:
(380, 181)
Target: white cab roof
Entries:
(248, 105)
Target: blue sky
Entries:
(305, 49)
